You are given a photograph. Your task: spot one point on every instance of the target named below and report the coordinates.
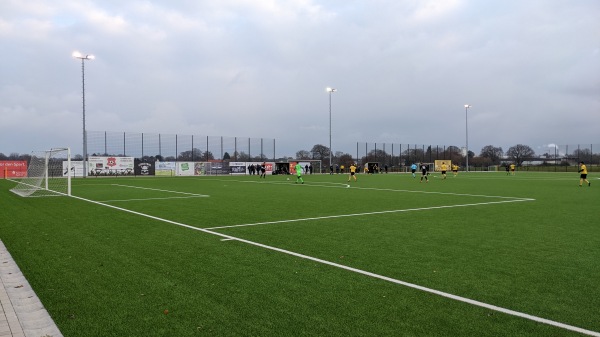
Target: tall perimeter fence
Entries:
(395, 157)
(174, 147)
(544, 158)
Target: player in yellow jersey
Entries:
(455, 170)
(444, 168)
(583, 176)
(512, 169)
(352, 172)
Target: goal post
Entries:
(46, 174)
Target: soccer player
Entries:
(455, 170)
(424, 169)
(299, 173)
(352, 172)
(263, 170)
(444, 168)
(583, 176)
(413, 169)
(512, 169)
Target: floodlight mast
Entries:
(467, 106)
(80, 56)
(330, 91)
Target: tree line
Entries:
(488, 156)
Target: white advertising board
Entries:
(185, 168)
(165, 168)
(103, 166)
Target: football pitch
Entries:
(482, 254)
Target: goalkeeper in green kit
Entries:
(299, 173)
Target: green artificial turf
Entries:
(528, 243)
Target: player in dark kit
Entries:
(424, 170)
(263, 170)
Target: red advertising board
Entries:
(13, 168)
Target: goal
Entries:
(46, 174)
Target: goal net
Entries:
(46, 175)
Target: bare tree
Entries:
(303, 154)
(519, 153)
(376, 156)
(191, 155)
(582, 154)
(413, 155)
(345, 159)
(494, 154)
(320, 152)
(454, 154)
(241, 156)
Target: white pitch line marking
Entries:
(366, 273)
(156, 189)
(341, 185)
(369, 213)
(165, 198)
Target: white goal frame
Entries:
(45, 175)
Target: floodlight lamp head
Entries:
(79, 55)
(467, 106)
(331, 90)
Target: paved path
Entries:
(21, 312)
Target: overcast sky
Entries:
(403, 70)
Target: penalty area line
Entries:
(156, 189)
(369, 213)
(362, 272)
(343, 185)
(165, 198)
